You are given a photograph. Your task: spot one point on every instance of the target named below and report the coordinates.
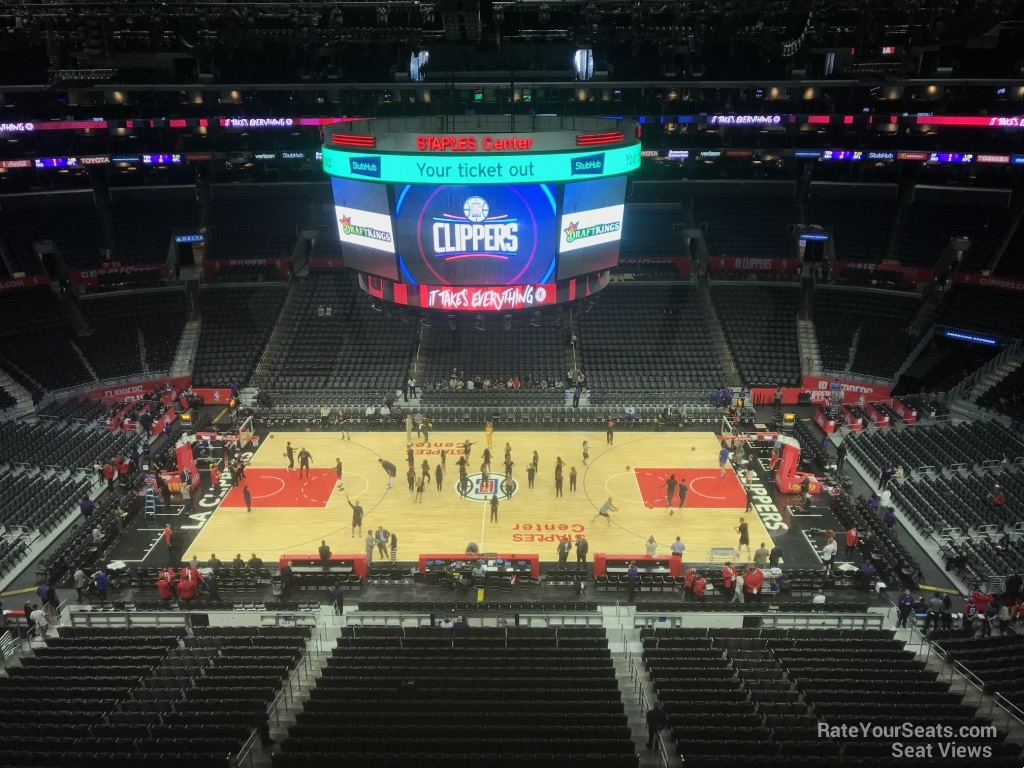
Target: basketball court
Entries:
(293, 514)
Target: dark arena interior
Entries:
(511, 383)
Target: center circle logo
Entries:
(475, 209)
(474, 488)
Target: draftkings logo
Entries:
(575, 232)
(348, 228)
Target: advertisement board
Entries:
(590, 228)
(365, 230)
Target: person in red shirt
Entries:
(852, 540)
(214, 475)
(169, 575)
(108, 475)
(164, 588)
(699, 588)
(981, 599)
(186, 589)
(688, 581)
(752, 584)
(729, 581)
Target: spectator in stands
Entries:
(100, 579)
(39, 621)
(325, 552)
(164, 587)
(88, 506)
(688, 578)
(866, 575)
(899, 473)
(255, 562)
(337, 598)
(729, 581)
(630, 414)
(108, 475)
(657, 721)
(753, 581)
(889, 517)
(238, 563)
(632, 577)
(904, 606)
(700, 587)
(841, 456)
(887, 472)
(81, 583)
(996, 497)
(819, 598)
(852, 539)
(775, 556)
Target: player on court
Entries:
(290, 453)
(586, 451)
(391, 469)
(609, 433)
(304, 459)
(337, 471)
(723, 458)
(682, 493)
(343, 425)
(357, 517)
(604, 511)
(467, 446)
(489, 432)
(744, 531)
(670, 488)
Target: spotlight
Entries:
(506, 322)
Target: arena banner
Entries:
(821, 390)
(89, 277)
(743, 264)
(482, 299)
(17, 283)
(213, 395)
(911, 275)
(135, 390)
(212, 267)
(987, 281)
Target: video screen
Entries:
(364, 227)
(591, 226)
(486, 235)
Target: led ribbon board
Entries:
(522, 168)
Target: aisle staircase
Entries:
(188, 345)
(807, 342)
(19, 393)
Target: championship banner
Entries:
(741, 264)
(987, 281)
(135, 390)
(911, 275)
(17, 283)
(212, 267)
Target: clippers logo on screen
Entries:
(475, 233)
(498, 235)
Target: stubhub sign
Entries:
(365, 166)
(588, 165)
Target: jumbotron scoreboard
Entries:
(481, 213)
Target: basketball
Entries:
(308, 429)
(284, 455)
(627, 467)
(671, 512)
(693, 447)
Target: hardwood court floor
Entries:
(292, 515)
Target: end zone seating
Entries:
(496, 697)
(143, 695)
(666, 346)
(237, 321)
(747, 220)
(972, 308)
(880, 318)
(760, 325)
